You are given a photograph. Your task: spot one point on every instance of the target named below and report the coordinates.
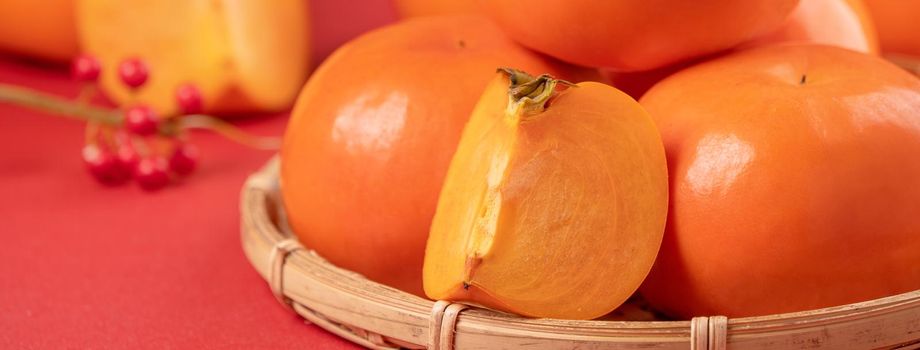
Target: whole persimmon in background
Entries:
(795, 180)
(243, 55)
(898, 25)
(637, 84)
(415, 8)
(635, 35)
(373, 132)
(841, 23)
(43, 29)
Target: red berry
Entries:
(189, 99)
(184, 159)
(127, 158)
(85, 68)
(141, 120)
(104, 166)
(133, 72)
(151, 173)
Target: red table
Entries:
(87, 266)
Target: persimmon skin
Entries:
(841, 23)
(635, 35)
(555, 213)
(373, 132)
(794, 182)
(898, 25)
(42, 29)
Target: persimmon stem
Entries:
(96, 116)
(529, 94)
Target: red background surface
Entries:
(87, 266)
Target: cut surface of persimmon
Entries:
(795, 182)
(554, 204)
(39, 28)
(244, 56)
(635, 35)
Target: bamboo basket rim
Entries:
(379, 317)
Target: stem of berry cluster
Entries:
(56, 105)
(25, 97)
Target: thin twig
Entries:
(57, 105)
(200, 121)
(97, 115)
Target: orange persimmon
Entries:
(636, 35)
(795, 182)
(39, 28)
(898, 25)
(373, 132)
(554, 204)
(416, 8)
(843, 23)
(635, 84)
(243, 56)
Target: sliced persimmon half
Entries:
(554, 204)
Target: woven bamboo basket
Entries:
(379, 317)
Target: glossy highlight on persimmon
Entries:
(373, 132)
(795, 182)
(554, 204)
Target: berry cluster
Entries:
(144, 147)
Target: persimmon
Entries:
(39, 28)
(636, 84)
(416, 8)
(554, 204)
(243, 56)
(842, 23)
(795, 182)
(898, 25)
(373, 132)
(636, 35)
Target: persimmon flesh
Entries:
(636, 35)
(795, 182)
(244, 56)
(554, 204)
(373, 132)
